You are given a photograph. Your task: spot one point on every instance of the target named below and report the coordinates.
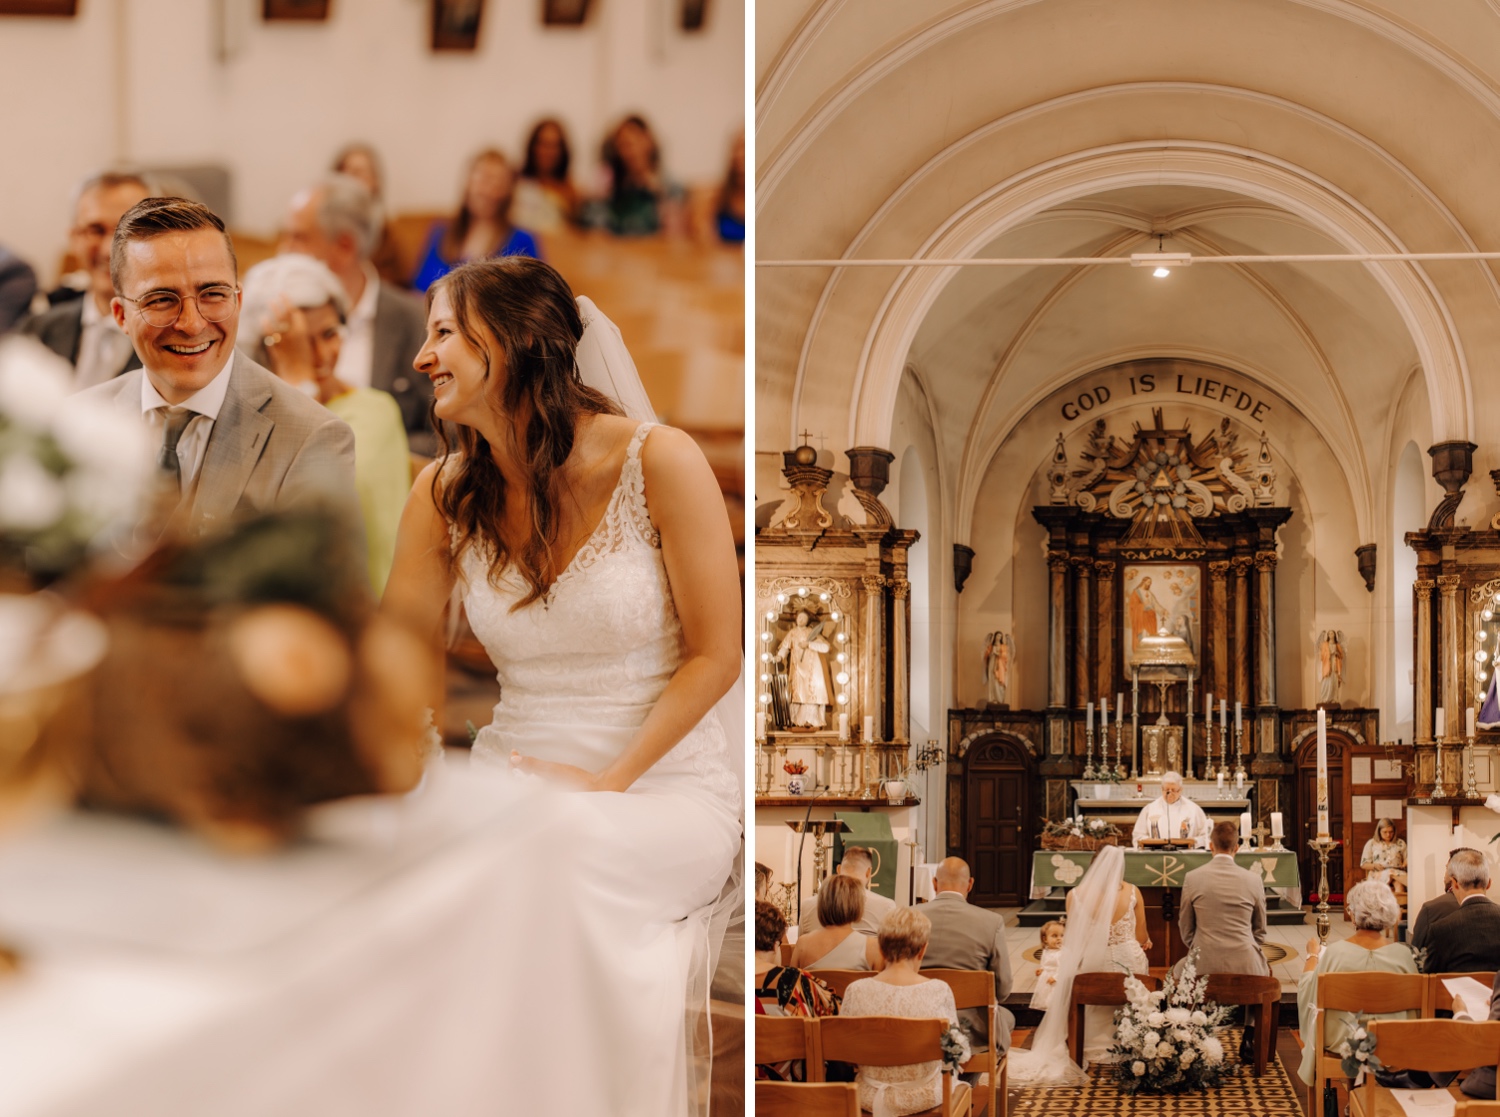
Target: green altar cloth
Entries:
(1149, 869)
(873, 830)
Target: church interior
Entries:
(1120, 378)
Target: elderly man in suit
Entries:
(83, 331)
(1224, 915)
(235, 440)
(339, 222)
(859, 864)
(965, 937)
(1467, 939)
(1435, 909)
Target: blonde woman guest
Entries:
(292, 322)
(836, 945)
(901, 990)
(1375, 913)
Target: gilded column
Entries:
(1265, 628)
(1451, 651)
(1104, 591)
(873, 658)
(1241, 689)
(900, 671)
(1083, 626)
(1422, 726)
(1218, 614)
(1057, 630)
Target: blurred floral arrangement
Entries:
(74, 473)
(1165, 1040)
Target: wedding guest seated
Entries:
(967, 937)
(836, 944)
(1435, 909)
(1468, 940)
(481, 228)
(359, 161)
(17, 287)
(338, 221)
(1384, 857)
(546, 199)
(1224, 910)
(762, 880)
(640, 200)
(294, 311)
(859, 864)
(729, 216)
(1371, 948)
(901, 990)
(770, 929)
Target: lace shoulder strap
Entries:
(633, 487)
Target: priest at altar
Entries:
(1172, 816)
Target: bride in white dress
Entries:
(596, 565)
(1105, 932)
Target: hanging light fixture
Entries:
(1160, 262)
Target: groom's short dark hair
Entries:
(1224, 838)
(156, 217)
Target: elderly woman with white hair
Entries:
(292, 322)
(1373, 908)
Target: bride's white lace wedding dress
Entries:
(610, 945)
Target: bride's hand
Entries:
(568, 775)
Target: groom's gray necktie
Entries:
(175, 421)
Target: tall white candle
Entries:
(1323, 773)
(869, 727)
(1276, 831)
(1120, 707)
(1237, 719)
(1091, 717)
(760, 727)
(1245, 826)
(1440, 729)
(1208, 709)
(843, 727)
(1221, 779)
(1224, 715)
(1469, 722)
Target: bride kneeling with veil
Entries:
(595, 562)
(1106, 932)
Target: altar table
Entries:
(1159, 877)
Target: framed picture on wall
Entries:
(309, 10)
(38, 7)
(565, 13)
(694, 13)
(455, 24)
(1161, 598)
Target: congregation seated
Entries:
(640, 199)
(859, 866)
(770, 929)
(1373, 908)
(965, 936)
(482, 226)
(837, 943)
(1467, 940)
(360, 161)
(899, 989)
(546, 199)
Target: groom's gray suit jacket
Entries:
(965, 937)
(1224, 916)
(270, 448)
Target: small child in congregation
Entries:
(1046, 974)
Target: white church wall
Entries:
(288, 95)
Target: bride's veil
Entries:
(604, 363)
(1085, 949)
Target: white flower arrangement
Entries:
(1164, 1041)
(956, 1049)
(1358, 1051)
(72, 472)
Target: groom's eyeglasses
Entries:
(162, 308)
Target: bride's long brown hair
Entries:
(526, 309)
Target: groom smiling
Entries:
(234, 440)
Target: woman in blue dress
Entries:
(482, 225)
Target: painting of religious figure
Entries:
(1161, 599)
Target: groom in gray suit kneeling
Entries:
(234, 439)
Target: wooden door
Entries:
(997, 841)
(1307, 813)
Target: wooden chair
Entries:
(976, 989)
(1096, 989)
(1430, 1045)
(1469, 1107)
(1261, 997)
(782, 1039)
(840, 980)
(806, 1099)
(892, 1041)
(1358, 991)
(1438, 997)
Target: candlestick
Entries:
(1323, 778)
(1440, 723)
(1224, 734)
(1135, 717)
(1469, 722)
(1187, 736)
(1276, 831)
(1439, 788)
(1239, 756)
(1120, 724)
(1237, 717)
(1322, 846)
(843, 727)
(1471, 786)
(1089, 771)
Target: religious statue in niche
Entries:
(1161, 599)
(1330, 667)
(998, 653)
(802, 650)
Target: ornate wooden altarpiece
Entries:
(832, 551)
(1195, 514)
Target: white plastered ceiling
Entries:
(1025, 128)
